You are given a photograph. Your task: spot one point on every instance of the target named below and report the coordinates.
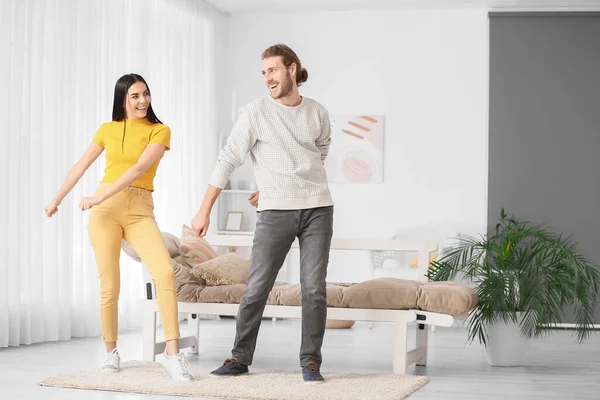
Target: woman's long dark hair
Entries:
(121, 87)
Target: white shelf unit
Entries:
(236, 200)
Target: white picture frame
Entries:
(233, 222)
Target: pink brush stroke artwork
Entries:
(356, 152)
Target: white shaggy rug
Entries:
(152, 378)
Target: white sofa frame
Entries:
(402, 356)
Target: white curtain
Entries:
(59, 63)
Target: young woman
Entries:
(122, 207)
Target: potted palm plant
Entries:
(525, 275)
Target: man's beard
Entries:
(286, 87)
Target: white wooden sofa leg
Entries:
(400, 348)
(422, 331)
(194, 325)
(149, 336)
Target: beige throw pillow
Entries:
(225, 269)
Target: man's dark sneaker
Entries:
(311, 373)
(231, 367)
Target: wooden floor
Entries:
(557, 368)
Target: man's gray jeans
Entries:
(275, 232)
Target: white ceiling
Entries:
(242, 6)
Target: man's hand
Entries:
(88, 202)
(253, 199)
(200, 223)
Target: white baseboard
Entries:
(572, 326)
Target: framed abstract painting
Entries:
(356, 151)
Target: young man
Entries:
(288, 138)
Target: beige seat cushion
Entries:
(285, 295)
(230, 294)
(225, 269)
(382, 293)
(447, 298)
(194, 249)
(291, 295)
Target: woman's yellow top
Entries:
(123, 153)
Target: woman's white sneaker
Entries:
(177, 366)
(112, 362)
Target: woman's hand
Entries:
(88, 202)
(51, 208)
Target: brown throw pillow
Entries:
(225, 269)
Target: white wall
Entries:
(426, 71)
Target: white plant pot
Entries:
(505, 346)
